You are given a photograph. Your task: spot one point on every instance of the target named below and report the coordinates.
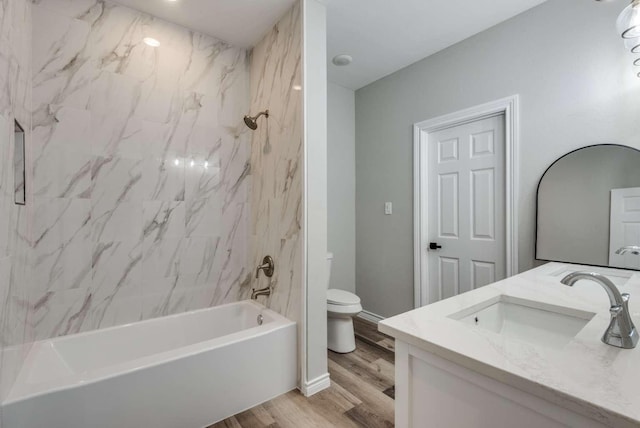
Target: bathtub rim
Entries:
(17, 394)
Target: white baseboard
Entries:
(316, 385)
(370, 316)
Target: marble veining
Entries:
(276, 162)
(15, 220)
(146, 194)
(140, 168)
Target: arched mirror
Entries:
(589, 207)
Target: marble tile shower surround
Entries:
(276, 162)
(140, 169)
(15, 220)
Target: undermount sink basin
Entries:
(533, 322)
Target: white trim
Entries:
(370, 316)
(316, 385)
(303, 360)
(510, 108)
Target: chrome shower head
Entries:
(252, 121)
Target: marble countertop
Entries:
(586, 376)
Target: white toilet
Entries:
(342, 306)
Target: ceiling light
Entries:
(342, 60)
(629, 21)
(297, 87)
(151, 42)
(629, 28)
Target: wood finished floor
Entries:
(361, 393)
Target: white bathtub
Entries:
(184, 371)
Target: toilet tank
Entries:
(329, 260)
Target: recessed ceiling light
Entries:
(342, 60)
(151, 42)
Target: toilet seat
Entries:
(342, 298)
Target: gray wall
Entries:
(341, 181)
(577, 88)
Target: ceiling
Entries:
(239, 22)
(384, 36)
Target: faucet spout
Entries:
(633, 249)
(615, 298)
(621, 332)
(260, 292)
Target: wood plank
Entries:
(330, 406)
(370, 352)
(368, 330)
(335, 398)
(290, 412)
(231, 422)
(257, 417)
(388, 343)
(372, 373)
(391, 392)
(367, 417)
(371, 397)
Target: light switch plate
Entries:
(388, 208)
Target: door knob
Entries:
(434, 246)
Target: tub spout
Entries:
(260, 292)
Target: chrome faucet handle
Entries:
(267, 266)
(633, 249)
(621, 332)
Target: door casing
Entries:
(509, 107)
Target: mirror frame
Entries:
(535, 243)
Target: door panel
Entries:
(449, 276)
(466, 205)
(483, 203)
(448, 200)
(624, 226)
(482, 144)
(483, 273)
(448, 150)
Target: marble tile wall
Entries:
(141, 160)
(276, 162)
(15, 220)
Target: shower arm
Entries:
(262, 113)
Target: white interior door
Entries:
(466, 207)
(624, 226)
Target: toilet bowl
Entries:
(342, 306)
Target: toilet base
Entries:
(340, 334)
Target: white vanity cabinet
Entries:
(537, 361)
(434, 392)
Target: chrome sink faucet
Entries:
(621, 331)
